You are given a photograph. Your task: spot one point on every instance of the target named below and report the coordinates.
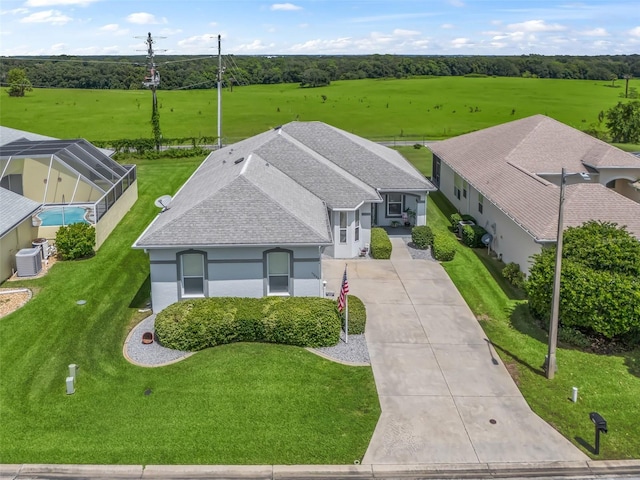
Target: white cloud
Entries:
(200, 41)
(59, 47)
(289, 7)
(456, 3)
(15, 11)
(324, 45)
(112, 27)
(143, 18)
(461, 42)
(303, 25)
(399, 32)
(255, 46)
(52, 3)
(447, 26)
(54, 17)
(635, 32)
(596, 32)
(535, 26)
(213, 24)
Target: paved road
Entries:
(445, 395)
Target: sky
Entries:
(320, 27)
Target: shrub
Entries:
(444, 247)
(422, 236)
(599, 278)
(472, 235)
(196, 324)
(380, 244)
(573, 337)
(513, 274)
(455, 218)
(417, 146)
(357, 316)
(75, 241)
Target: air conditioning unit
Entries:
(29, 262)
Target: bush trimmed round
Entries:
(422, 236)
(444, 247)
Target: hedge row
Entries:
(380, 244)
(196, 324)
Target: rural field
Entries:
(417, 108)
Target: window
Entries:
(480, 202)
(192, 265)
(394, 205)
(357, 231)
(436, 171)
(278, 273)
(465, 187)
(457, 185)
(343, 227)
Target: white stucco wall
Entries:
(510, 242)
(236, 272)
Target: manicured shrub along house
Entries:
(257, 216)
(508, 178)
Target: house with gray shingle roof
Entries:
(508, 178)
(256, 217)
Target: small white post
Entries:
(72, 370)
(70, 387)
(574, 394)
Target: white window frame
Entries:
(183, 292)
(395, 202)
(343, 227)
(457, 184)
(356, 237)
(288, 274)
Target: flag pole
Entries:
(346, 313)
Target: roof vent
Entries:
(240, 160)
(278, 128)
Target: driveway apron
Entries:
(445, 395)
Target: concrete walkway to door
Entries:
(446, 396)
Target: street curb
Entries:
(588, 469)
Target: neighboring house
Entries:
(257, 216)
(69, 180)
(508, 178)
(16, 229)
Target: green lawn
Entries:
(609, 385)
(236, 404)
(417, 108)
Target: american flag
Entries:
(344, 289)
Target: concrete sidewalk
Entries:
(446, 396)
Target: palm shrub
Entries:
(380, 244)
(75, 241)
(422, 236)
(444, 247)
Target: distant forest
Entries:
(190, 72)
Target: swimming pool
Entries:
(57, 216)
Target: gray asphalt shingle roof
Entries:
(504, 164)
(280, 192)
(14, 209)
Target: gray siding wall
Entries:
(233, 272)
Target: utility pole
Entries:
(220, 72)
(152, 81)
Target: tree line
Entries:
(189, 72)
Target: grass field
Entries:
(608, 384)
(419, 108)
(236, 404)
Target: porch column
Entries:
(421, 210)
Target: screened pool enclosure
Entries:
(73, 181)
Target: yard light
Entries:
(550, 364)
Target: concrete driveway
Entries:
(446, 396)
